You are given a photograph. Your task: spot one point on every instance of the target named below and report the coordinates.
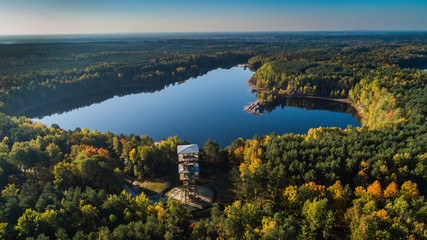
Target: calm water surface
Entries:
(210, 106)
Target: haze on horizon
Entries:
(21, 17)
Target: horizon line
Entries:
(228, 32)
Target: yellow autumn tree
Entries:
(141, 203)
(291, 194)
(252, 156)
(10, 190)
(409, 190)
(339, 204)
(255, 162)
(268, 224)
(291, 199)
(359, 191)
(337, 190)
(314, 133)
(243, 168)
(133, 155)
(3, 230)
(89, 217)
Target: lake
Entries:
(209, 106)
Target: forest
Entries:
(331, 183)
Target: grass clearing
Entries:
(158, 185)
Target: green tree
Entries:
(319, 220)
(24, 155)
(66, 175)
(213, 154)
(28, 224)
(54, 153)
(28, 195)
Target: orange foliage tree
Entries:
(391, 191)
(375, 190)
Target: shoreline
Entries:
(256, 108)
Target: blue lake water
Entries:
(209, 106)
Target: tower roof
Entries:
(191, 148)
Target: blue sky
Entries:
(111, 16)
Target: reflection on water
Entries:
(209, 106)
(316, 104)
(67, 105)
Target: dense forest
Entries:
(331, 183)
(374, 77)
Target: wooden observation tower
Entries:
(188, 169)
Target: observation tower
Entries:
(188, 169)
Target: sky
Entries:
(29, 17)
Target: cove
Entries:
(206, 107)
